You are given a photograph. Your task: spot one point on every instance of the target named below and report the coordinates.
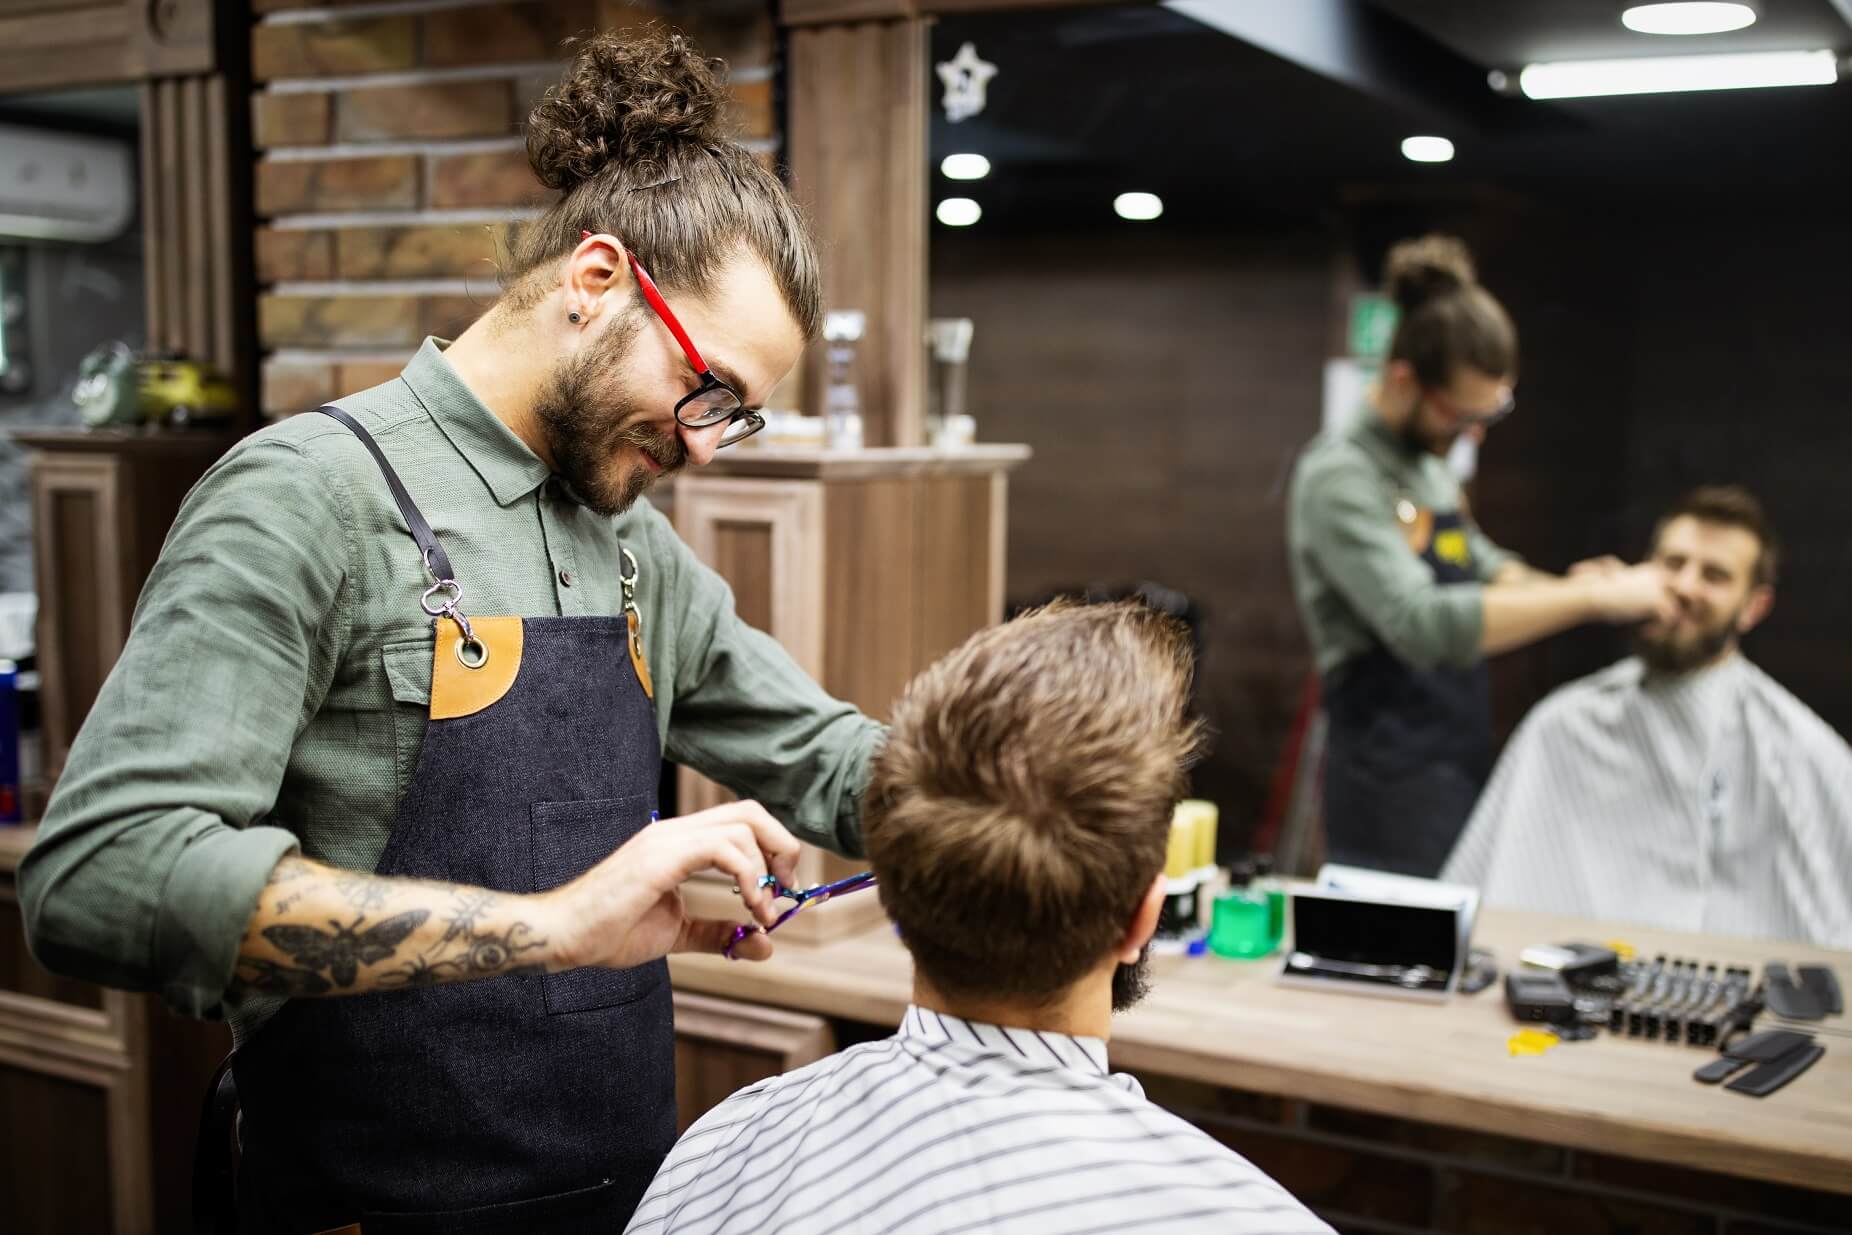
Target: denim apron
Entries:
(519, 1103)
(1407, 750)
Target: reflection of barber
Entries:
(1402, 595)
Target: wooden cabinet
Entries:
(100, 1093)
(866, 566)
(102, 502)
(100, 1090)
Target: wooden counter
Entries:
(1228, 1023)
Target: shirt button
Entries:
(565, 577)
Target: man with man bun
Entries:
(374, 778)
(1402, 596)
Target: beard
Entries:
(1131, 983)
(1419, 439)
(1665, 650)
(588, 418)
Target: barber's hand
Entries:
(626, 910)
(1606, 564)
(1632, 594)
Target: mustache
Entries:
(664, 449)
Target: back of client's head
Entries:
(1021, 807)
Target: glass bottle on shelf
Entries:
(842, 402)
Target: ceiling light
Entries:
(959, 212)
(1576, 79)
(1138, 206)
(1427, 149)
(1687, 18)
(965, 167)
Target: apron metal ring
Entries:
(451, 586)
(472, 659)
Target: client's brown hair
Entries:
(1022, 804)
(1731, 506)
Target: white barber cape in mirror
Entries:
(1714, 801)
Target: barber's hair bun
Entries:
(629, 98)
(1420, 270)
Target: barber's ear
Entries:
(1761, 603)
(1144, 922)
(597, 275)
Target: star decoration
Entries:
(966, 77)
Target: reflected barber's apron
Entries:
(1408, 750)
(522, 1102)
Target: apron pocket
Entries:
(569, 839)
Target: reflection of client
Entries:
(1683, 787)
(1017, 818)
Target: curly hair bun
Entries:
(1420, 270)
(629, 98)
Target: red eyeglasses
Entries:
(713, 401)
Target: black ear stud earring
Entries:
(572, 317)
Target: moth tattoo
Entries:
(342, 951)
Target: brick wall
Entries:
(1375, 1175)
(390, 163)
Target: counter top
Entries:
(800, 464)
(1228, 1023)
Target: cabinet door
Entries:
(765, 538)
(81, 545)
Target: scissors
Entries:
(803, 896)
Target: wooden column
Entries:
(857, 149)
(196, 222)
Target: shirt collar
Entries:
(506, 465)
(1038, 1046)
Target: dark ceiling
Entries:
(1090, 102)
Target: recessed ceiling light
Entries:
(1578, 79)
(1427, 149)
(1704, 18)
(959, 212)
(1138, 206)
(965, 167)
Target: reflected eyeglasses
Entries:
(1507, 404)
(713, 401)
(804, 898)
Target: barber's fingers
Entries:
(711, 935)
(773, 839)
(690, 845)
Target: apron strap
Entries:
(435, 559)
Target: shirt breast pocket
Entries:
(408, 676)
(569, 838)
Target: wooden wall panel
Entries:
(49, 1179)
(857, 142)
(872, 596)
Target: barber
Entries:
(1402, 595)
(375, 775)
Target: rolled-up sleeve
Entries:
(1352, 541)
(155, 844)
(746, 715)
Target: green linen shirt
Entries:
(1356, 580)
(273, 691)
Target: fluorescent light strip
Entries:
(1578, 79)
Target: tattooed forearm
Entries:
(323, 931)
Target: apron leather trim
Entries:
(457, 690)
(637, 660)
